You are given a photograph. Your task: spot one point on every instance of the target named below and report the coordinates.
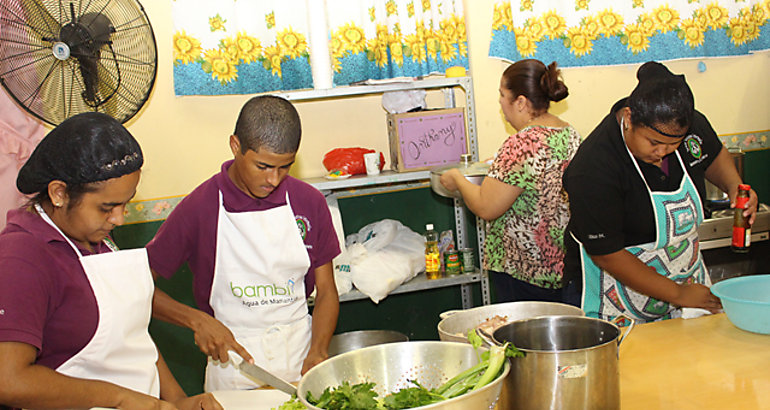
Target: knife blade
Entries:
(262, 375)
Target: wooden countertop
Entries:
(701, 363)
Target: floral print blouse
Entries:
(527, 241)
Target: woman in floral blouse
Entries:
(522, 196)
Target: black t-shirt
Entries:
(610, 207)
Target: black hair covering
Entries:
(85, 148)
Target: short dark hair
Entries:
(269, 122)
(532, 79)
(82, 151)
(661, 98)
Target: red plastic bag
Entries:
(348, 160)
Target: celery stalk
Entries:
(496, 362)
(465, 374)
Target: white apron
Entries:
(258, 292)
(121, 350)
(675, 254)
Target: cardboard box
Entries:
(426, 139)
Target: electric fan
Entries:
(60, 58)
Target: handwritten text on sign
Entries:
(432, 139)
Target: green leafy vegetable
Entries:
(358, 396)
(411, 397)
(292, 404)
(362, 396)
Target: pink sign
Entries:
(430, 140)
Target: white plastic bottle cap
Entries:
(429, 227)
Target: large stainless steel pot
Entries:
(455, 324)
(571, 362)
(349, 341)
(391, 365)
(474, 172)
(715, 197)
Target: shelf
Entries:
(353, 90)
(418, 283)
(357, 181)
(388, 181)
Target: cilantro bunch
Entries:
(363, 397)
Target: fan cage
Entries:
(122, 69)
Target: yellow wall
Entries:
(185, 138)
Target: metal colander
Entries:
(391, 365)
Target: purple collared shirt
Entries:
(189, 234)
(45, 297)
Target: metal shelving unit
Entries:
(390, 180)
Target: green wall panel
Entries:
(756, 172)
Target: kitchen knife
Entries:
(262, 375)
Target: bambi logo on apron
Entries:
(258, 292)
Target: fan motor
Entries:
(87, 35)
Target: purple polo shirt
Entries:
(45, 297)
(189, 234)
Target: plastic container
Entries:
(746, 301)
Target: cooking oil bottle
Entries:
(432, 258)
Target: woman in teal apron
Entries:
(635, 190)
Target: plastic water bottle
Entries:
(432, 258)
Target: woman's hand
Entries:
(696, 295)
(215, 339)
(448, 179)
(132, 400)
(204, 401)
(751, 207)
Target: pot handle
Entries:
(444, 315)
(488, 339)
(628, 330)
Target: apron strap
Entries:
(48, 220)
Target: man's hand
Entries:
(215, 339)
(311, 360)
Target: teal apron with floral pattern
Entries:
(675, 254)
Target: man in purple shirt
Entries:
(257, 242)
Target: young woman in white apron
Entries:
(61, 348)
(121, 351)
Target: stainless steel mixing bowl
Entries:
(474, 172)
(348, 341)
(391, 365)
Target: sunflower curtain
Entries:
(377, 39)
(605, 32)
(253, 46)
(240, 47)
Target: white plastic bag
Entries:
(396, 102)
(341, 263)
(383, 255)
